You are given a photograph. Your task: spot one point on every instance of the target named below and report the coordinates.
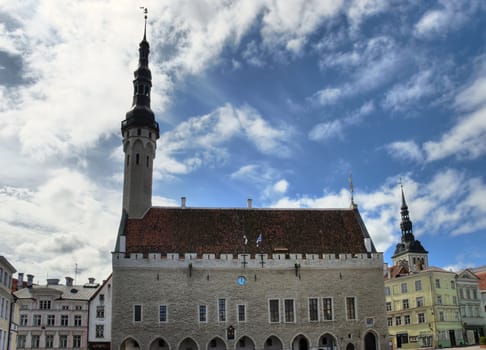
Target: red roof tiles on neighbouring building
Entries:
(217, 231)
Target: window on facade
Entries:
(139, 132)
(137, 158)
(441, 316)
(387, 291)
(327, 309)
(137, 313)
(437, 283)
(21, 341)
(35, 341)
(51, 320)
(289, 310)
(44, 304)
(222, 310)
(454, 300)
(418, 285)
(65, 307)
(406, 319)
(461, 293)
(389, 321)
(23, 320)
(77, 320)
(64, 320)
(420, 301)
(273, 305)
(398, 321)
(162, 313)
(313, 309)
(100, 331)
(203, 313)
(439, 299)
(453, 285)
(36, 321)
(421, 317)
(102, 298)
(63, 341)
(351, 308)
(404, 287)
(475, 295)
(241, 313)
(76, 341)
(388, 306)
(78, 307)
(49, 341)
(405, 304)
(100, 311)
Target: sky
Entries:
(277, 101)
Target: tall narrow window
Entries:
(77, 320)
(405, 304)
(76, 341)
(162, 313)
(418, 285)
(241, 313)
(273, 305)
(137, 313)
(51, 320)
(36, 320)
(63, 341)
(327, 309)
(222, 310)
(203, 313)
(49, 341)
(35, 341)
(404, 288)
(351, 308)
(313, 309)
(137, 158)
(437, 283)
(289, 310)
(100, 311)
(64, 320)
(100, 331)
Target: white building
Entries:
(99, 329)
(53, 315)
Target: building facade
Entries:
(99, 328)
(480, 272)
(7, 306)
(236, 278)
(53, 315)
(470, 303)
(421, 301)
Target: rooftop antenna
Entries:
(75, 272)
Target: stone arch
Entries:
(300, 342)
(245, 343)
(216, 344)
(350, 346)
(188, 344)
(130, 344)
(327, 341)
(273, 343)
(371, 341)
(159, 344)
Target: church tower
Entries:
(409, 250)
(140, 132)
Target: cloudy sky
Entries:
(278, 101)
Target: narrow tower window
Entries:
(137, 159)
(147, 161)
(139, 132)
(128, 159)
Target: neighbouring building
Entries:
(247, 278)
(7, 306)
(480, 272)
(421, 301)
(471, 305)
(53, 315)
(99, 328)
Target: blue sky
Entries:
(278, 101)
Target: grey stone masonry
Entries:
(183, 284)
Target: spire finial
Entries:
(351, 189)
(145, 12)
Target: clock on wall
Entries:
(241, 280)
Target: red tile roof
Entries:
(198, 230)
(482, 280)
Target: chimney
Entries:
(69, 281)
(52, 281)
(250, 203)
(30, 280)
(91, 280)
(20, 282)
(183, 202)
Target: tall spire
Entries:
(141, 115)
(406, 223)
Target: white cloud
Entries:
(408, 150)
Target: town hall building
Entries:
(247, 278)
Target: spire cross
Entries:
(145, 12)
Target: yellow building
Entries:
(7, 335)
(421, 301)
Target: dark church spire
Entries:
(141, 115)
